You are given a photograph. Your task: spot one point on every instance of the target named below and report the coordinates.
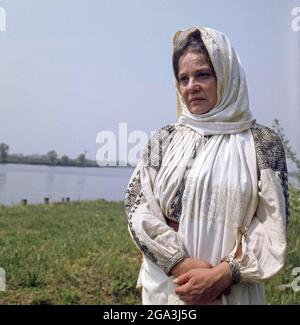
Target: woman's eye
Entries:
(182, 79)
(203, 75)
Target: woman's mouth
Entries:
(197, 100)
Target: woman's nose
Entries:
(193, 86)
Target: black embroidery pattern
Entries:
(176, 206)
(153, 153)
(132, 200)
(133, 192)
(270, 155)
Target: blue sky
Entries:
(70, 69)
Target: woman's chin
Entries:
(198, 110)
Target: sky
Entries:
(71, 69)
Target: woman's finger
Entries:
(183, 278)
(186, 298)
(183, 290)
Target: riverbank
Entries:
(81, 253)
(88, 164)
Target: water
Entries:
(34, 183)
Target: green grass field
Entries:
(81, 253)
(76, 253)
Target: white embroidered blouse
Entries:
(263, 240)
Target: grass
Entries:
(71, 253)
(278, 290)
(81, 253)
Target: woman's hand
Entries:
(189, 264)
(203, 285)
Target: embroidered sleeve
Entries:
(264, 242)
(156, 240)
(271, 156)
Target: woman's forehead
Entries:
(193, 59)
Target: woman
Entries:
(208, 204)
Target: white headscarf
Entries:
(231, 113)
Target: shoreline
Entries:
(59, 165)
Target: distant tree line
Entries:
(50, 158)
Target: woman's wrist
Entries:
(188, 264)
(223, 275)
(234, 267)
(180, 267)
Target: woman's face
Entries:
(197, 83)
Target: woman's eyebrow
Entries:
(200, 69)
(181, 74)
(204, 68)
